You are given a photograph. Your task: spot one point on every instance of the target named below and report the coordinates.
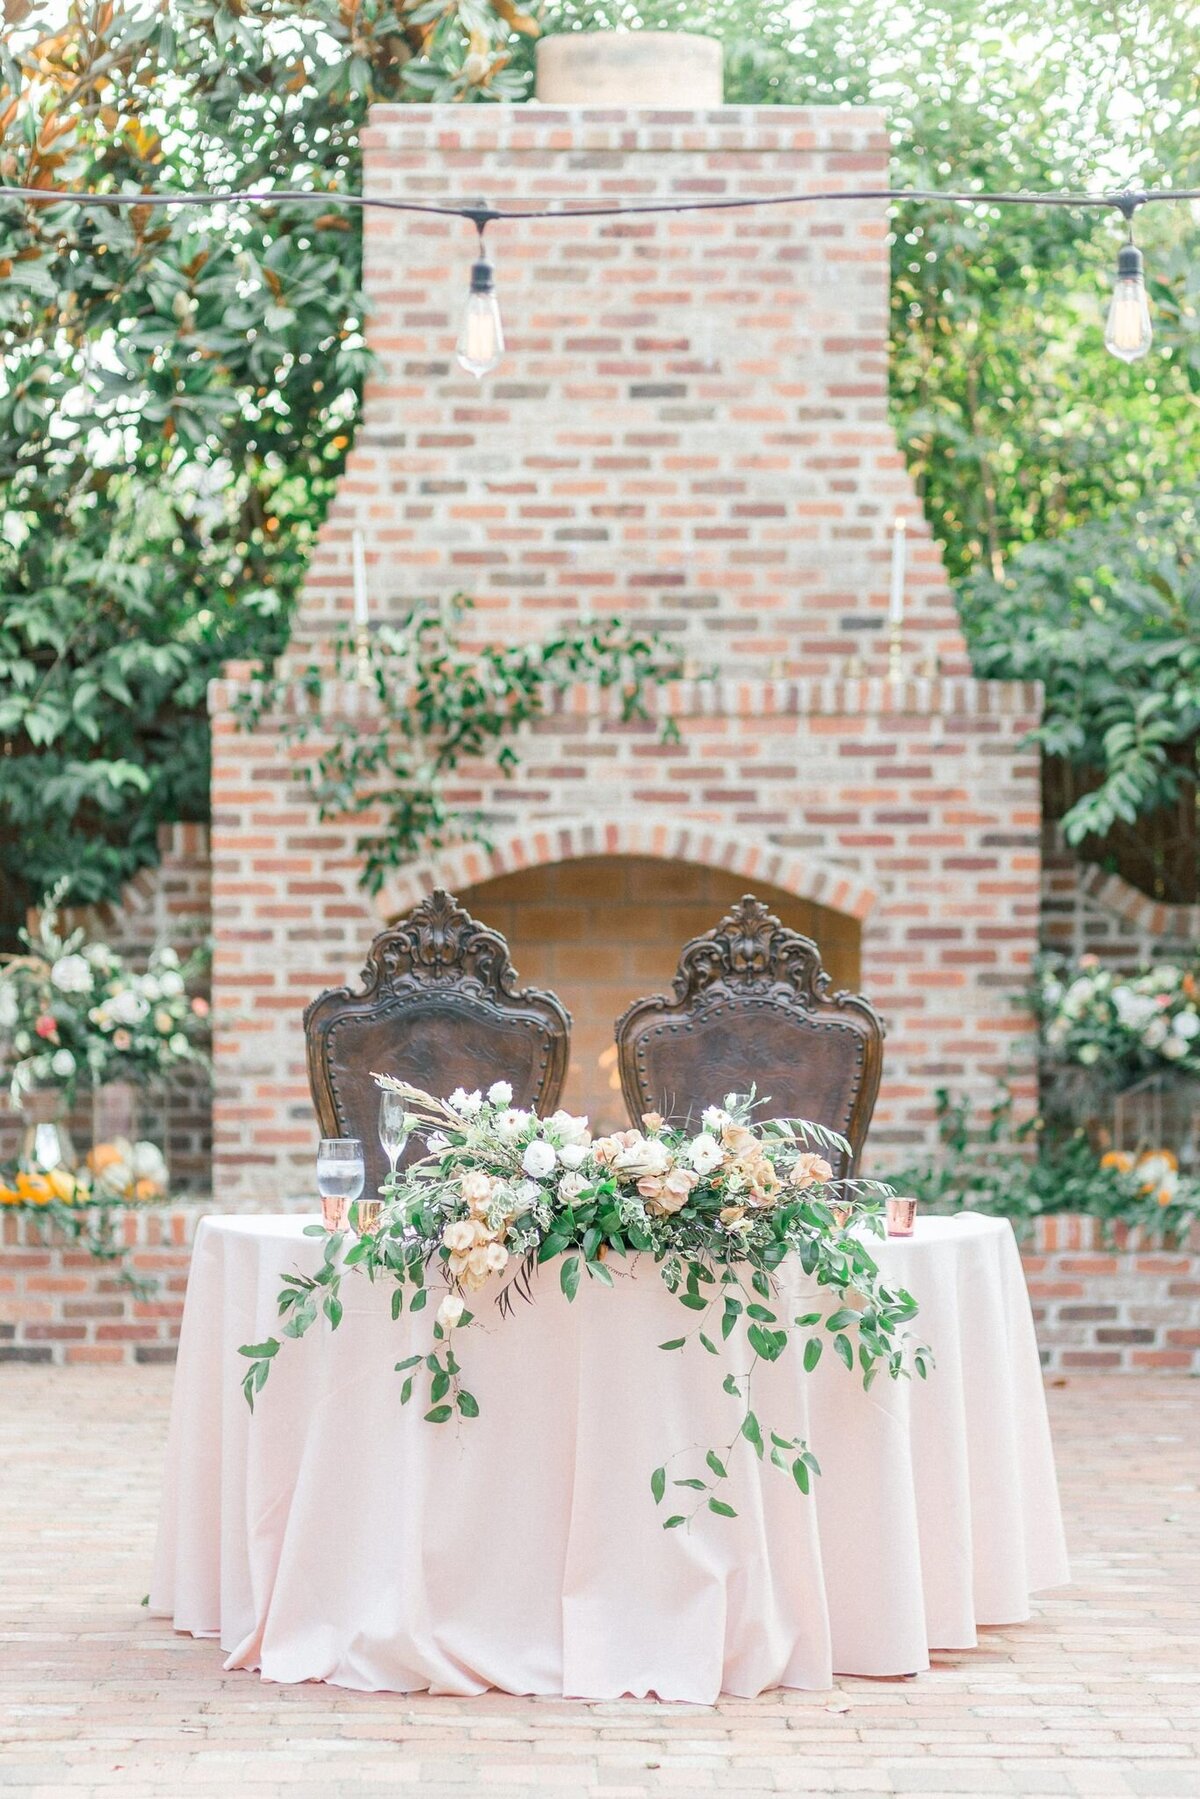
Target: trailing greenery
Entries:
(989, 1163)
(177, 392)
(1108, 618)
(440, 704)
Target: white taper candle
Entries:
(896, 602)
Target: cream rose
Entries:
(477, 1189)
(451, 1310)
(570, 1127)
(460, 1236)
(500, 1094)
(673, 1192)
(571, 1186)
(573, 1155)
(645, 1155)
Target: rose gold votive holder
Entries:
(333, 1213)
(368, 1215)
(901, 1217)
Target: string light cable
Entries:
(480, 343)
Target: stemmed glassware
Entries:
(395, 1128)
(341, 1171)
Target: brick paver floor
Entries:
(1098, 1695)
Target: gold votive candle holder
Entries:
(333, 1211)
(901, 1217)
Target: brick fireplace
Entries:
(690, 429)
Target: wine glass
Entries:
(341, 1172)
(395, 1128)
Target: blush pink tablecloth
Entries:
(336, 1536)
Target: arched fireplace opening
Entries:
(601, 931)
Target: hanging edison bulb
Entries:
(1128, 333)
(481, 339)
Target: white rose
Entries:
(1187, 1025)
(149, 988)
(570, 1128)
(126, 1007)
(1155, 1033)
(22, 1043)
(167, 958)
(98, 954)
(451, 1310)
(704, 1153)
(1089, 1053)
(71, 974)
(571, 1186)
(500, 1094)
(509, 1125)
(1173, 1048)
(644, 1156)
(10, 1009)
(464, 1103)
(171, 985)
(178, 1044)
(714, 1118)
(524, 1195)
(62, 1063)
(539, 1158)
(573, 1155)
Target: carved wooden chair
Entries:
(750, 1006)
(440, 1007)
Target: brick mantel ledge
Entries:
(873, 697)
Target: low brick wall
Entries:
(1130, 1308)
(1116, 1304)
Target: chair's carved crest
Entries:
(751, 999)
(751, 950)
(439, 940)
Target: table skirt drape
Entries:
(337, 1536)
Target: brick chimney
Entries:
(690, 428)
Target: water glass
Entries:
(395, 1128)
(341, 1172)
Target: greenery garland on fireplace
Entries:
(437, 703)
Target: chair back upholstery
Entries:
(439, 1006)
(750, 1006)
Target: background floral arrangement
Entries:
(72, 1011)
(719, 1210)
(1119, 1025)
(117, 1173)
(987, 1162)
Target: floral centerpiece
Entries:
(1120, 1025)
(72, 1012)
(720, 1211)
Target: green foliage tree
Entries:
(177, 391)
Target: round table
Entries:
(336, 1536)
